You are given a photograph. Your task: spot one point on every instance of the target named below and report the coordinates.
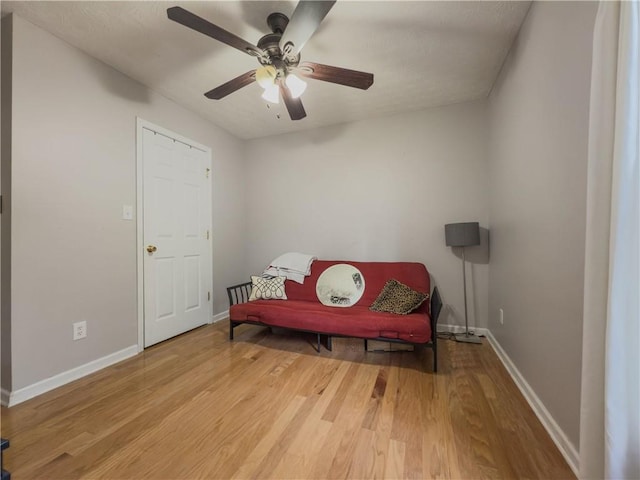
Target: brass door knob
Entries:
(151, 248)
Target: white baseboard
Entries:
(220, 316)
(567, 449)
(43, 386)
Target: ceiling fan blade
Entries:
(341, 76)
(305, 20)
(191, 20)
(294, 105)
(231, 86)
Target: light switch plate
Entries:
(127, 212)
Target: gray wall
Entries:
(539, 111)
(74, 166)
(379, 189)
(5, 174)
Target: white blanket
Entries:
(295, 266)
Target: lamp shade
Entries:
(462, 234)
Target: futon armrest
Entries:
(436, 306)
(239, 293)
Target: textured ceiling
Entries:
(422, 54)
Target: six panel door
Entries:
(177, 265)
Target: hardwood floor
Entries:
(269, 406)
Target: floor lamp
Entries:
(463, 235)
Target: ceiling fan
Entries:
(279, 55)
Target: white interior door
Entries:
(176, 236)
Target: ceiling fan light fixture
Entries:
(296, 86)
(266, 76)
(271, 94)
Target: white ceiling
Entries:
(422, 54)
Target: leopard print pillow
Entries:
(398, 298)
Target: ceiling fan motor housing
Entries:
(270, 43)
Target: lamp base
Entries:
(467, 338)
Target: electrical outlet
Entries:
(501, 317)
(80, 330)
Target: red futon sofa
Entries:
(303, 311)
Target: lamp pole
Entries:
(464, 282)
(464, 235)
(467, 338)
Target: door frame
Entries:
(140, 125)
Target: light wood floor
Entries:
(268, 406)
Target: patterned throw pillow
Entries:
(267, 288)
(396, 297)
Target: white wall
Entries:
(538, 153)
(74, 166)
(376, 190)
